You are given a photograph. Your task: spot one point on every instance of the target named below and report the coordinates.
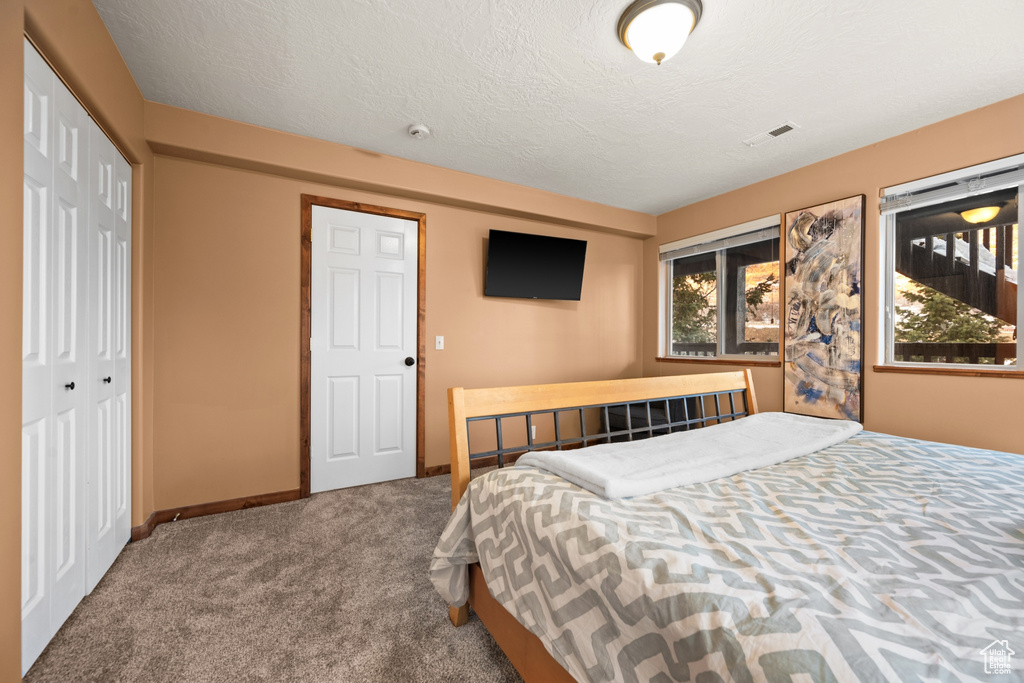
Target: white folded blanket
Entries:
(621, 470)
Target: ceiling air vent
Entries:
(762, 138)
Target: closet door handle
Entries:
(107, 380)
(70, 385)
(410, 361)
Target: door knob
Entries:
(106, 380)
(70, 385)
(410, 361)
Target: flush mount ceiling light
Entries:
(980, 215)
(656, 29)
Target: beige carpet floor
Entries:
(331, 588)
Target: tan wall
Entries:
(227, 323)
(981, 412)
(11, 172)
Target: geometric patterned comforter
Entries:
(879, 559)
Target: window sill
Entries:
(711, 360)
(973, 371)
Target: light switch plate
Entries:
(439, 343)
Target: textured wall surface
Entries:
(541, 93)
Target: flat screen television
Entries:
(526, 266)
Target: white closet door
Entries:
(76, 397)
(70, 325)
(54, 439)
(122, 378)
(37, 369)
(108, 517)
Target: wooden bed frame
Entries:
(524, 649)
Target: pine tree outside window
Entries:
(722, 293)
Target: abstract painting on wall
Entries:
(823, 337)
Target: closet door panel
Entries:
(103, 464)
(53, 358)
(37, 368)
(35, 589)
(70, 362)
(122, 350)
(37, 197)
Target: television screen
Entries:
(534, 266)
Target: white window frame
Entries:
(718, 241)
(967, 182)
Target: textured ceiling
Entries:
(541, 93)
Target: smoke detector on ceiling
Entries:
(419, 131)
(775, 132)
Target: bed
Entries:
(878, 558)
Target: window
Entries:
(722, 292)
(952, 267)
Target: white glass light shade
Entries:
(659, 31)
(980, 215)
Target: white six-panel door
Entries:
(364, 317)
(54, 423)
(109, 514)
(75, 463)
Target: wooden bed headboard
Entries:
(466, 405)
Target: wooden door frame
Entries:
(305, 322)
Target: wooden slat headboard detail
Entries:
(465, 405)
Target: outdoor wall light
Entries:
(656, 29)
(980, 215)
